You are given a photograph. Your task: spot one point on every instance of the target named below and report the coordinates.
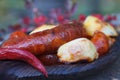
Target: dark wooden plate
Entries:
(16, 70)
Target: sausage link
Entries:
(49, 41)
(49, 59)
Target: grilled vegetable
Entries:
(22, 55)
(77, 50)
(42, 28)
(92, 24)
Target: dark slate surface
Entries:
(104, 68)
(112, 72)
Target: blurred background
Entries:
(24, 11)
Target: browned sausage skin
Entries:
(101, 42)
(49, 41)
(49, 59)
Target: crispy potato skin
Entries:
(101, 42)
(92, 24)
(111, 41)
(49, 41)
(77, 50)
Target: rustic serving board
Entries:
(17, 70)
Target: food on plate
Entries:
(76, 50)
(101, 42)
(42, 28)
(48, 41)
(67, 42)
(91, 24)
(18, 54)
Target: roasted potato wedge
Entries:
(77, 50)
(42, 28)
(92, 24)
(111, 41)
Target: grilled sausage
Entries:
(49, 59)
(49, 41)
(101, 42)
(15, 37)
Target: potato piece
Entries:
(111, 41)
(101, 41)
(76, 50)
(42, 28)
(91, 24)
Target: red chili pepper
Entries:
(18, 54)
